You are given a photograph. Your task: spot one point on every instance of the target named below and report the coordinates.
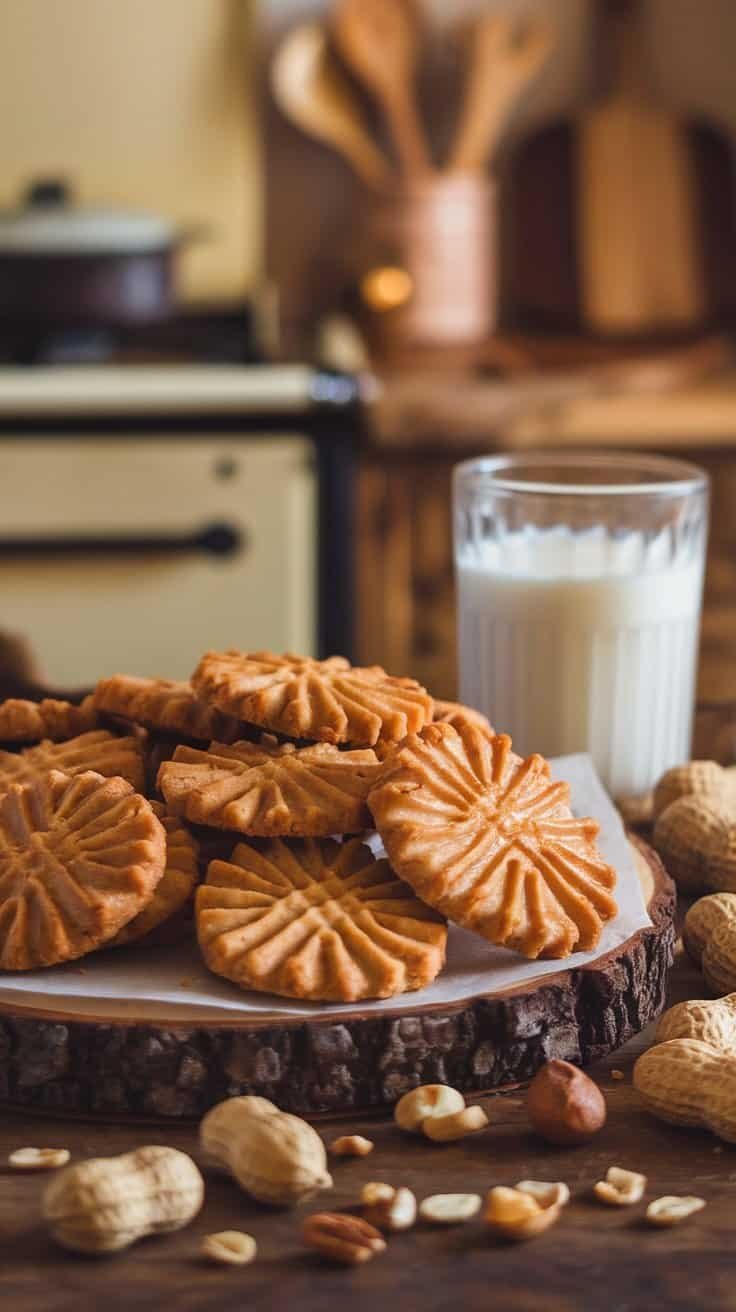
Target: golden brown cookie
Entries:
(317, 920)
(454, 713)
(490, 841)
(98, 750)
(328, 701)
(267, 790)
(457, 714)
(28, 722)
(167, 705)
(172, 893)
(79, 857)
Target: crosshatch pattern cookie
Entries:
(98, 750)
(490, 841)
(270, 790)
(456, 714)
(171, 895)
(28, 722)
(316, 920)
(328, 701)
(164, 704)
(79, 857)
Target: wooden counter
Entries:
(406, 603)
(596, 1258)
(698, 417)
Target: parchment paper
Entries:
(178, 975)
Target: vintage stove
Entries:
(170, 492)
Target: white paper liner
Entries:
(178, 975)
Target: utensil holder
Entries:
(432, 278)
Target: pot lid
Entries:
(48, 223)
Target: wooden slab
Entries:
(107, 1063)
(596, 1259)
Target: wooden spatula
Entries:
(638, 255)
(311, 89)
(378, 39)
(505, 57)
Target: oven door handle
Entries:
(216, 539)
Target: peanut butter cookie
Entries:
(490, 841)
(28, 722)
(97, 750)
(79, 857)
(316, 920)
(457, 714)
(168, 705)
(327, 701)
(270, 790)
(161, 919)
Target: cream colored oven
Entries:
(138, 527)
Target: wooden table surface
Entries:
(594, 1258)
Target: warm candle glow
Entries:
(386, 288)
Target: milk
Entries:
(584, 642)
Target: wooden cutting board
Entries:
(114, 1060)
(638, 248)
(620, 220)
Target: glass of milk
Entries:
(580, 579)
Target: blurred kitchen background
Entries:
(269, 270)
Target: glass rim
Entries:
(667, 476)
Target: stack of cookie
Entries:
(276, 767)
(86, 860)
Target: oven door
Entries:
(136, 554)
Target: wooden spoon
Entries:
(504, 60)
(310, 89)
(378, 39)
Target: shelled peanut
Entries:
(104, 1205)
(439, 1113)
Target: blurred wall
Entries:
(151, 103)
(139, 103)
(691, 48)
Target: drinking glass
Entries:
(580, 581)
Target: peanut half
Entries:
(449, 1209)
(517, 1215)
(443, 1129)
(620, 1188)
(545, 1193)
(351, 1145)
(342, 1238)
(375, 1191)
(229, 1248)
(38, 1159)
(670, 1210)
(387, 1208)
(428, 1100)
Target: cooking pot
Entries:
(60, 263)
